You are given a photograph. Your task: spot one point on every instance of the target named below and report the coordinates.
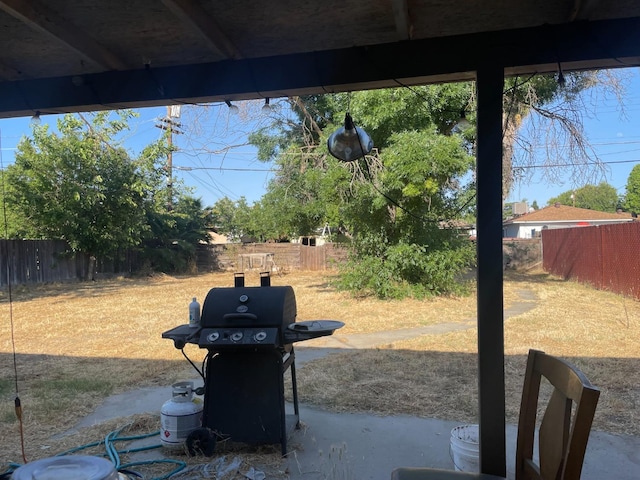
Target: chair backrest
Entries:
(566, 423)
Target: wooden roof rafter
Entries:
(192, 14)
(402, 19)
(39, 17)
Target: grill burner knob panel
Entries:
(226, 338)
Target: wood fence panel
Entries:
(47, 261)
(313, 257)
(286, 256)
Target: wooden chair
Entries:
(563, 433)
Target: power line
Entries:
(226, 169)
(550, 165)
(598, 144)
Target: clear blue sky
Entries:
(203, 162)
(213, 171)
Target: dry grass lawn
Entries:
(76, 344)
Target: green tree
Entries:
(80, 186)
(602, 197)
(632, 195)
(393, 204)
(170, 244)
(223, 215)
(385, 211)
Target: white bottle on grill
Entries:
(194, 314)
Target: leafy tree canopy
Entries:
(632, 196)
(80, 184)
(602, 197)
(393, 203)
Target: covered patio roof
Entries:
(79, 55)
(72, 55)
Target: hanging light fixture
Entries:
(233, 109)
(35, 120)
(561, 80)
(349, 143)
(462, 124)
(266, 108)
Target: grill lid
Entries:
(249, 307)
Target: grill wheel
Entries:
(201, 442)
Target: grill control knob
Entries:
(212, 337)
(236, 336)
(260, 336)
(244, 298)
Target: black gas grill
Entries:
(249, 334)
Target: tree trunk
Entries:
(91, 269)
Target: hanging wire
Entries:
(17, 403)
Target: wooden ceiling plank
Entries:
(402, 19)
(41, 18)
(191, 13)
(582, 9)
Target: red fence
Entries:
(607, 256)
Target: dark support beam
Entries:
(490, 82)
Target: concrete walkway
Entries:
(350, 446)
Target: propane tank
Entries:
(180, 415)
(194, 313)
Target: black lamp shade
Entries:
(349, 143)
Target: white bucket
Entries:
(465, 448)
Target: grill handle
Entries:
(239, 316)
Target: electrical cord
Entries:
(17, 403)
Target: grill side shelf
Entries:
(181, 335)
(309, 329)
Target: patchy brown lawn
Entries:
(78, 343)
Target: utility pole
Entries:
(172, 126)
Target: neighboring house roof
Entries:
(564, 213)
(217, 238)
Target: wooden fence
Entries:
(46, 261)
(285, 256)
(39, 261)
(604, 256)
